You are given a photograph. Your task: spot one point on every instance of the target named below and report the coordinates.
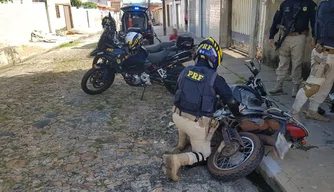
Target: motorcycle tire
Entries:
(243, 169)
(88, 75)
(173, 75)
(321, 111)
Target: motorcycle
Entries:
(237, 144)
(112, 57)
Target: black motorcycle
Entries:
(112, 57)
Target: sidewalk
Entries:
(11, 55)
(300, 171)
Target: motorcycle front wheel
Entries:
(95, 81)
(239, 164)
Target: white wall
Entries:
(19, 20)
(95, 16)
(212, 18)
(157, 15)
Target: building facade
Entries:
(238, 24)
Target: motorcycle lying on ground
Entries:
(237, 145)
(112, 57)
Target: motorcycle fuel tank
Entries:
(246, 95)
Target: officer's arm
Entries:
(277, 20)
(225, 93)
(312, 18)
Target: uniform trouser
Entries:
(199, 141)
(292, 49)
(317, 88)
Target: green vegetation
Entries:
(69, 44)
(89, 5)
(76, 3)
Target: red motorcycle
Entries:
(237, 144)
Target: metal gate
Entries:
(241, 24)
(204, 18)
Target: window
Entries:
(57, 11)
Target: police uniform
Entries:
(194, 104)
(320, 81)
(292, 48)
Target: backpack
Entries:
(324, 28)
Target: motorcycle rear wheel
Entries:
(218, 166)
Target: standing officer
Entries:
(320, 82)
(194, 104)
(292, 48)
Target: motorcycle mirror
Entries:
(248, 67)
(252, 64)
(155, 35)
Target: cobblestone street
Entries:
(54, 137)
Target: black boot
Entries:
(321, 111)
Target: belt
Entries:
(297, 33)
(330, 51)
(185, 115)
(320, 48)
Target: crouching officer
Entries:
(194, 104)
(292, 17)
(320, 82)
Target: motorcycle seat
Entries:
(158, 47)
(158, 57)
(254, 110)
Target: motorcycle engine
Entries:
(134, 79)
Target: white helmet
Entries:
(134, 40)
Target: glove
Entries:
(234, 106)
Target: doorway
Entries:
(68, 17)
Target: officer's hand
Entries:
(313, 43)
(271, 42)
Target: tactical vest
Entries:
(196, 94)
(325, 23)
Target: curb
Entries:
(275, 177)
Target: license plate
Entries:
(282, 146)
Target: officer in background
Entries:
(320, 82)
(292, 48)
(194, 104)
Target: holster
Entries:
(210, 125)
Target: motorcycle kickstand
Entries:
(142, 95)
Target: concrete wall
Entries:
(157, 15)
(177, 17)
(91, 18)
(19, 20)
(192, 18)
(212, 17)
(57, 23)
